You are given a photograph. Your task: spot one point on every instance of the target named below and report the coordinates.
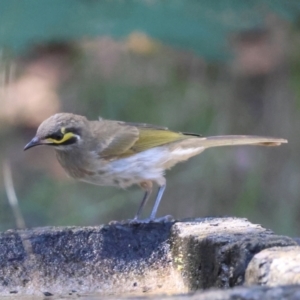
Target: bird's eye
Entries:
(57, 136)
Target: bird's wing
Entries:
(113, 139)
(121, 139)
(147, 126)
(152, 137)
(143, 125)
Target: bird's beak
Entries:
(34, 142)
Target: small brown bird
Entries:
(115, 153)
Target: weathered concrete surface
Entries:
(274, 266)
(131, 259)
(290, 292)
(113, 259)
(238, 293)
(215, 252)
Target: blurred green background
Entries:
(210, 67)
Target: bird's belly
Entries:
(106, 178)
(148, 165)
(124, 172)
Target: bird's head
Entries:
(61, 130)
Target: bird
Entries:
(117, 153)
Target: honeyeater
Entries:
(116, 153)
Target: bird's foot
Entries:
(164, 219)
(115, 222)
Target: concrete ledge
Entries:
(131, 259)
(215, 252)
(275, 266)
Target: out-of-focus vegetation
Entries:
(217, 67)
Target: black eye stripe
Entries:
(73, 130)
(57, 136)
(70, 141)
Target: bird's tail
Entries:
(235, 140)
(192, 146)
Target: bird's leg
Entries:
(145, 199)
(147, 186)
(157, 201)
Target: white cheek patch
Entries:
(79, 141)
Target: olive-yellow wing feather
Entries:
(124, 139)
(113, 139)
(150, 138)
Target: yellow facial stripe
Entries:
(66, 137)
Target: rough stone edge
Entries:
(274, 266)
(213, 222)
(218, 256)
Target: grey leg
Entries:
(145, 199)
(157, 201)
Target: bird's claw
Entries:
(163, 219)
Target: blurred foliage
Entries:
(184, 24)
(65, 63)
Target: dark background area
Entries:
(209, 67)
